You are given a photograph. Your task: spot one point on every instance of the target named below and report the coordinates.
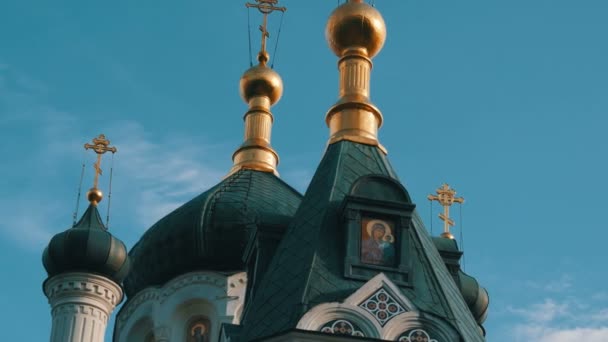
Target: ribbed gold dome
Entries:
(356, 25)
(261, 80)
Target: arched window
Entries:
(342, 327)
(198, 330)
(415, 336)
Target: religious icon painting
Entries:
(377, 242)
(198, 331)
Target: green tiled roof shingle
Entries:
(307, 268)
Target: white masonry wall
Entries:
(165, 311)
(81, 304)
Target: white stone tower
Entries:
(86, 266)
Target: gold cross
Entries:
(265, 7)
(446, 197)
(100, 146)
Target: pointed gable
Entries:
(308, 268)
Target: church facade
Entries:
(252, 259)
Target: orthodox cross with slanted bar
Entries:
(100, 145)
(446, 197)
(265, 7)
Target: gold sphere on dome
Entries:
(356, 25)
(261, 80)
(94, 196)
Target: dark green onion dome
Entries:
(474, 295)
(210, 232)
(87, 247)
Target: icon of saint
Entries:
(377, 246)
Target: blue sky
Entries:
(505, 100)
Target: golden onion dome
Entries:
(356, 25)
(261, 80)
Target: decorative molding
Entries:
(416, 335)
(382, 305)
(373, 286)
(319, 316)
(189, 279)
(161, 293)
(356, 311)
(147, 295)
(406, 322)
(221, 297)
(83, 286)
(80, 309)
(342, 327)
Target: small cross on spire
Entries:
(446, 197)
(100, 145)
(265, 7)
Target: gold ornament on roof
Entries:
(355, 32)
(265, 7)
(356, 25)
(100, 145)
(261, 80)
(446, 196)
(260, 87)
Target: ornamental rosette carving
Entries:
(382, 306)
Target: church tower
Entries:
(194, 270)
(86, 266)
(356, 260)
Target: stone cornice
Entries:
(83, 287)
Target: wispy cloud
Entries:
(563, 284)
(546, 311)
(557, 321)
(153, 173)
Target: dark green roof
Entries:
(210, 232)
(87, 247)
(307, 268)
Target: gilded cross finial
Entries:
(100, 145)
(446, 197)
(265, 7)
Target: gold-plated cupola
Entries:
(260, 87)
(356, 33)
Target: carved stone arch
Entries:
(140, 306)
(141, 330)
(439, 329)
(381, 188)
(318, 316)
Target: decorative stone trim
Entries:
(192, 279)
(324, 315)
(85, 286)
(218, 296)
(83, 310)
(133, 304)
(416, 335)
(81, 304)
(342, 327)
(403, 324)
(160, 294)
(383, 306)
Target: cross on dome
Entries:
(265, 7)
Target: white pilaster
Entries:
(81, 304)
